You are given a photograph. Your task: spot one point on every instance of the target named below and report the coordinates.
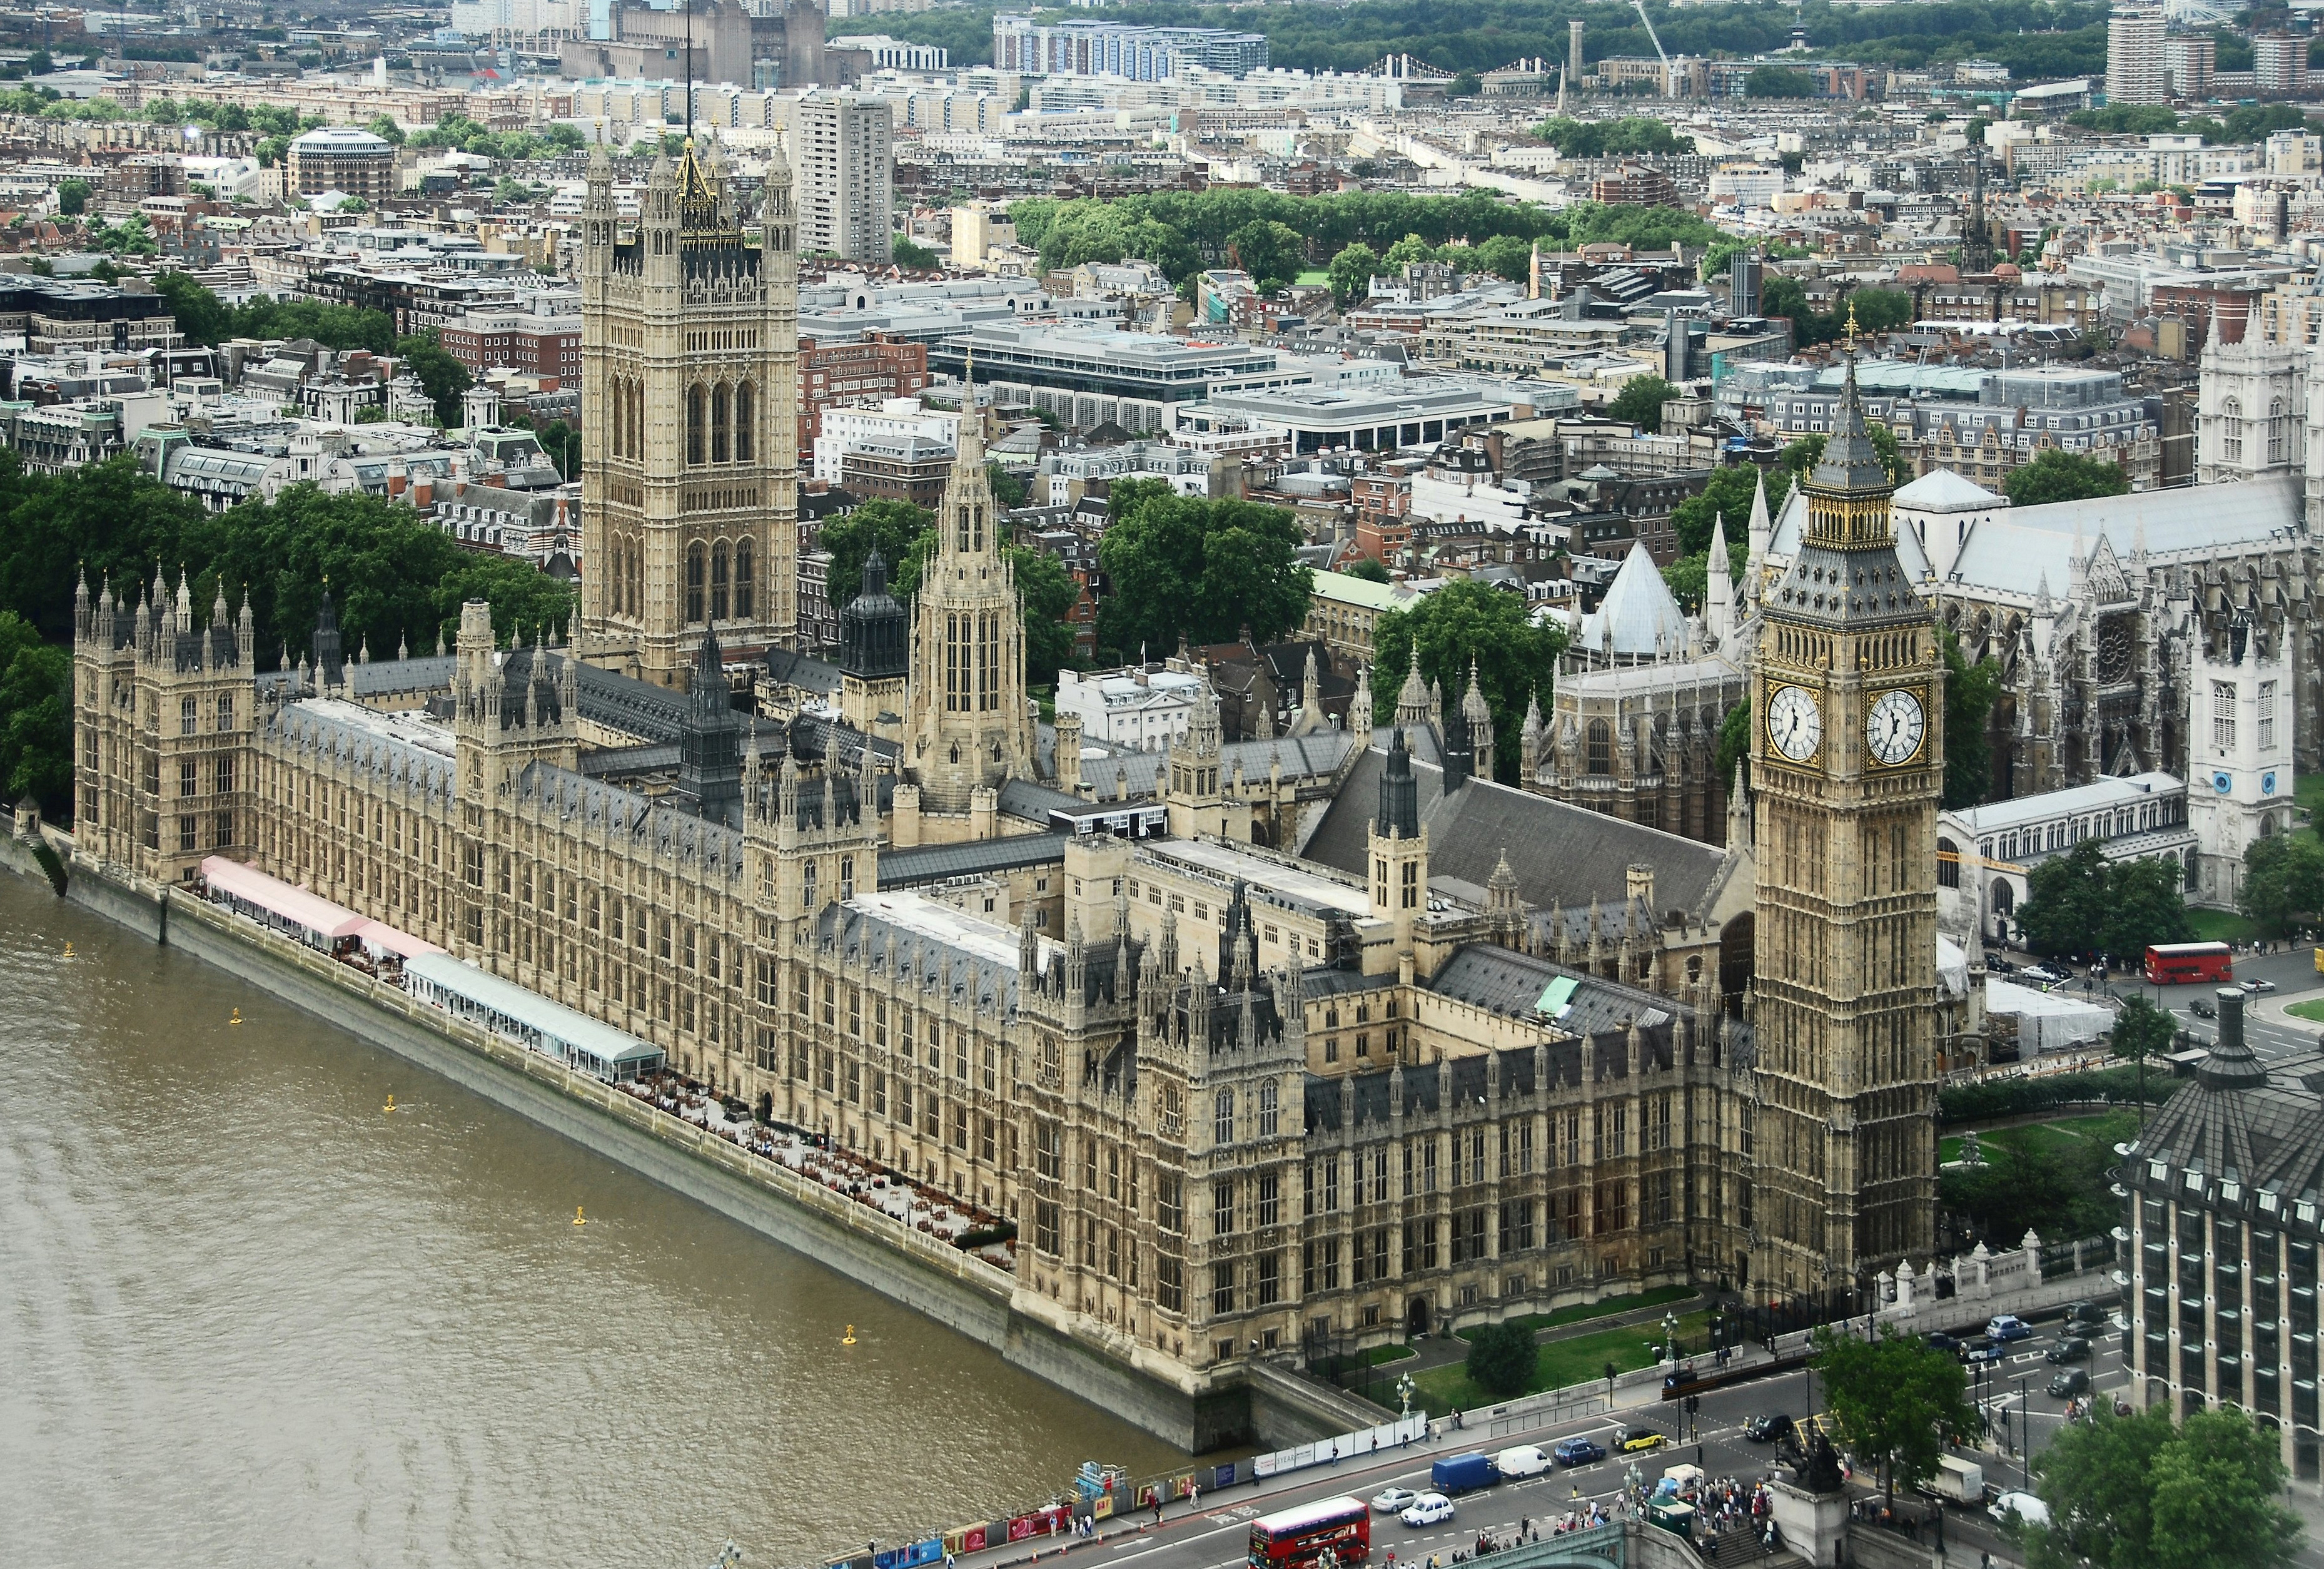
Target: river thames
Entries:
(251, 1318)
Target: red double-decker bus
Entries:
(2179, 964)
(1295, 1538)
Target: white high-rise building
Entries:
(842, 149)
(2137, 68)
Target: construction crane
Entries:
(1670, 84)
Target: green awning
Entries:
(1559, 994)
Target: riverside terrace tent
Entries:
(272, 902)
(2046, 1020)
(529, 1019)
(386, 940)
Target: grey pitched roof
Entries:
(1034, 802)
(1302, 756)
(936, 862)
(1565, 856)
(1510, 982)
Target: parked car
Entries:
(1999, 965)
(2068, 1382)
(1633, 1439)
(2071, 1348)
(1525, 1460)
(1395, 1501)
(1429, 1509)
(1982, 1347)
(2045, 975)
(1767, 1427)
(2008, 1326)
(2024, 1505)
(1579, 1452)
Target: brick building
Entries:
(536, 346)
(874, 368)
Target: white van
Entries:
(1525, 1460)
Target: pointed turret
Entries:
(1478, 715)
(1762, 534)
(1412, 700)
(1719, 594)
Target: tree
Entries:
(200, 314)
(2064, 476)
(2284, 879)
(1203, 570)
(1898, 1401)
(1776, 82)
(1502, 1359)
(1640, 403)
(894, 528)
(1467, 85)
(2081, 903)
(562, 443)
(73, 198)
(1734, 740)
(1465, 625)
(1009, 492)
(910, 252)
(1367, 568)
(443, 378)
(1046, 593)
(1971, 692)
(1728, 496)
(2138, 1493)
(35, 718)
(2142, 1030)
(1270, 251)
(385, 128)
(1350, 273)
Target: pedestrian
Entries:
(1194, 1494)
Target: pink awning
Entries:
(296, 905)
(387, 939)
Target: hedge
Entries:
(1990, 1099)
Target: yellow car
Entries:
(1634, 1439)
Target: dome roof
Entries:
(1940, 490)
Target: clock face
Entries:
(1794, 722)
(1894, 728)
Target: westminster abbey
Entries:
(1321, 1039)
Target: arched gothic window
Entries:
(2231, 430)
(1222, 1119)
(1600, 747)
(2276, 427)
(1269, 1110)
(745, 582)
(718, 581)
(721, 440)
(1948, 864)
(637, 419)
(697, 421)
(694, 572)
(746, 414)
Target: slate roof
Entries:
(1565, 856)
(1506, 982)
(1940, 490)
(980, 858)
(2018, 549)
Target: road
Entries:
(1215, 1534)
(2271, 1036)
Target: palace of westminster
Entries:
(1324, 1035)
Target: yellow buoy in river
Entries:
(69, 951)
(579, 1218)
(849, 1338)
(390, 1107)
(235, 1016)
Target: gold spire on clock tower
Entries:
(1847, 756)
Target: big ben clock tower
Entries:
(1847, 756)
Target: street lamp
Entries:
(1670, 1338)
(1403, 1389)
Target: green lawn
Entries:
(1581, 1312)
(1562, 1363)
(2053, 1137)
(2219, 925)
(2308, 793)
(2311, 1012)
(1314, 277)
